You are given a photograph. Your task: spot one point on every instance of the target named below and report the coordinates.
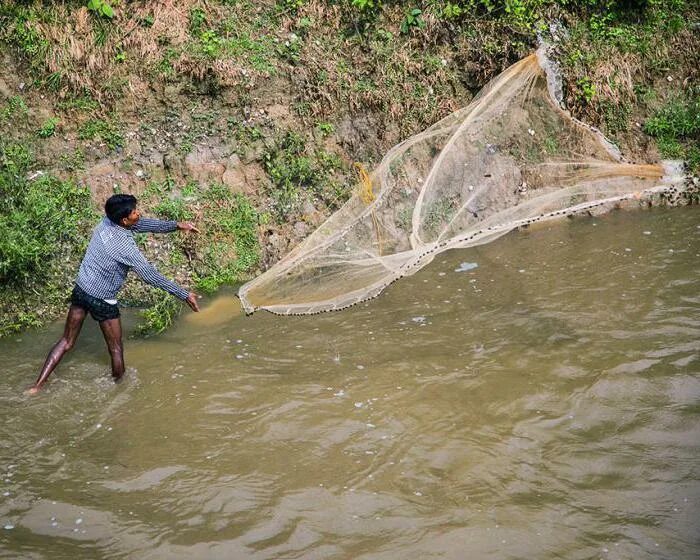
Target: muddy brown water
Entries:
(545, 404)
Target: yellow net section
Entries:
(366, 194)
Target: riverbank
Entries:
(248, 118)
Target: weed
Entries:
(217, 192)
(15, 108)
(48, 128)
(83, 103)
(616, 116)
(367, 6)
(412, 20)
(587, 89)
(437, 214)
(325, 129)
(190, 190)
(104, 131)
(101, 8)
(452, 11)
(159, 316)
(678, 119)
(197, 20)
(74, 161)
(550, 144)
(297, 174)
(158, 190)
(15, 158)
(173, 209)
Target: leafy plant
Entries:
(15, 158)
(367, 6)
(452, 11)
(412, 19)
(197, 20)
(587, 89)
(48, 128)
(159, 316)
(101, 8)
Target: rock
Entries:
(308, 208)
(301, 229)
(173, 163)
(240, 177)
(205, 164)
(233, 176)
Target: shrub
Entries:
(37, 219)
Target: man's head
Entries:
(121, 209)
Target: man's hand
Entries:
(192, 301)
(187, 226)
(33, 390)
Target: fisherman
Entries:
(112, 252)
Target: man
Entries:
(109, 257)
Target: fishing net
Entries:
(510, 158)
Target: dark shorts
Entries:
(99, 309)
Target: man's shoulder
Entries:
(110, 233)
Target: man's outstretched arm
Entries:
(129, 254)
(151, 225)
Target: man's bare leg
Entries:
(112, 331)
(74, 322)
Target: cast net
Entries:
(510, 158)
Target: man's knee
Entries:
(115, 348)
(67, 344)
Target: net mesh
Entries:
(510, 158)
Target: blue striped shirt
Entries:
(112, 252)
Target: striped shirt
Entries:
(112, 252)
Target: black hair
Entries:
(119, 206)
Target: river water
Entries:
(544, 403)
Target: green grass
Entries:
(37, 217)
(173, 209)
(298, 173)
(235, 219)
(676, 126)
(159, 316)
(103, 131)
